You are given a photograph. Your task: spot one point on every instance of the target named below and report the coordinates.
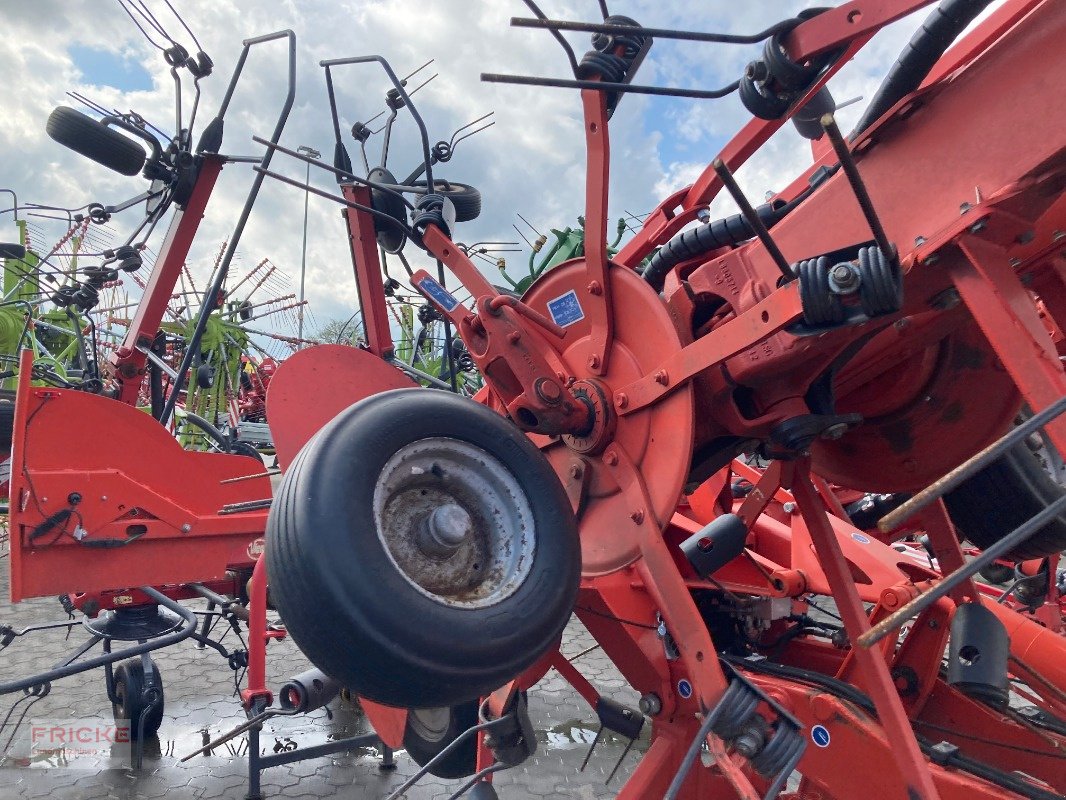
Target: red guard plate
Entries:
(313, 386)
(658, 438)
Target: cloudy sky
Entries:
(531, 162)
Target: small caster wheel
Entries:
(131, 701)
(997, 573)
(430, 730)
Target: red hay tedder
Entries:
(875, 328)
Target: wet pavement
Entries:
(200, 705)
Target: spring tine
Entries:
(847, 163)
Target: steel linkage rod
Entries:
(963, 573)
(656, 33)
(968, 468)
(604, 86)
(858, 186)
(752, 216)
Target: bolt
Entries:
(103, 498)
(919, 241)
(757, 71)
(444, 530)
(662, 378)
(186, 528)
(621, 400)
(1058, 236)
(978, 226)
(610, 458)
(595, 288)
(902, 324)
(930, 260)
(548, 390)
(789, 507)
(514, 337)
(749, 742)
(1015, 262)
(842, 273)
(650, 704)
(1025, 237)
(637, 516)
(594, 362)
(965, 208)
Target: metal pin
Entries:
(752, 216)
(266, 474)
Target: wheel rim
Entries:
(430, 724)
(454, 522)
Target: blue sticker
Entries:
(438, 294)
(566, 309)
(860, 538)
(684, 688)
(820, 736)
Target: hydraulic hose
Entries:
(925, 48)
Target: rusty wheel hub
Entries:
(454, 522)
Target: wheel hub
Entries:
(454, 522)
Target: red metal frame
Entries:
(126, 362)
(622, 418)
(810, 551)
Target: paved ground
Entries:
(199, 705)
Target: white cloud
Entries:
(531, 161)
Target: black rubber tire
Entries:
(94, 140)
(129, 684)
(347, 605)
(390, 237)
(997, 573)
(7, 427)
(1001, 497)
(465, 198)
(424, 737)
(12, 250)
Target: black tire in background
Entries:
(129, 687)
(465, 198)
(430, 730)
(347, 604)
(7, 428)
(1001, 497)
(94, 140)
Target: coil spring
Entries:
(734, 710)
(820, 305)
(631, 42)
(428, 314)
(605, 66)
(86, 297)
(790, 79)
(736, 714)
(430, 211)
(778, 754)
(881, 290)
